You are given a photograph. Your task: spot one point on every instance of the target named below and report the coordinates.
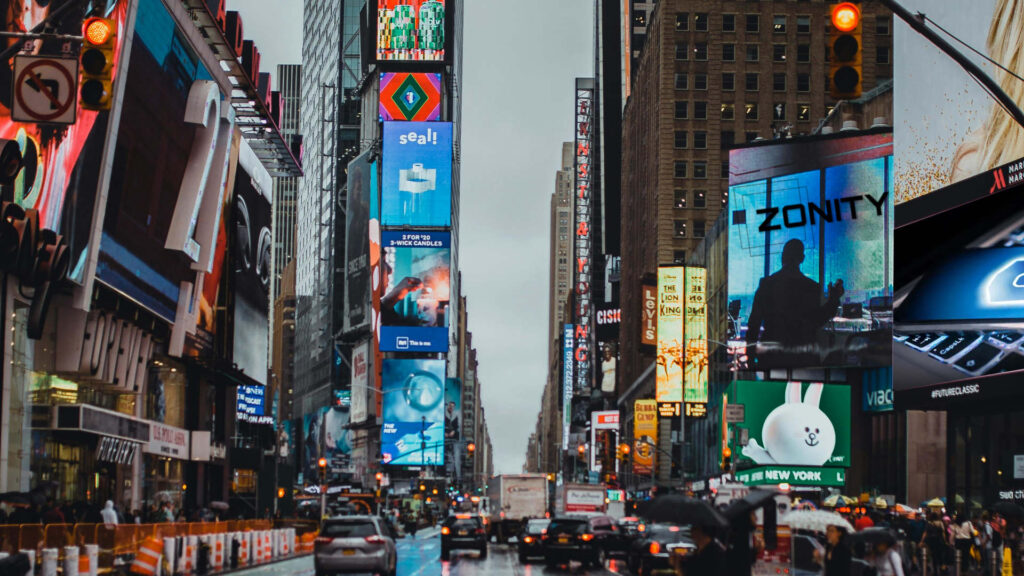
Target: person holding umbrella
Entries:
(837, 554)
(710, 557)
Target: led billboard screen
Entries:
(811, 252)
(410, 30)
(947, 128)
(411, 96)
(357, 243)
(416, 178)
(414, 411)
(415, 293)
(645, 435)
(695, 356)
(669, 372)
(251, 400)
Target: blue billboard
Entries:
(414, 411)
(416, 176)
(415, 292)
(251, 400)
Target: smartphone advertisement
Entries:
(416, 291)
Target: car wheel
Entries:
(599, 558)
(483, 551)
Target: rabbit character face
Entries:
(799, 433)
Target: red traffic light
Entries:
(845, 16)
(380, 476)
(582, 448)
(322, 462)
(470, 447)
(98, 30)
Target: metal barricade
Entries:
(31, 537)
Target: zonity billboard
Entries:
(811, 251)
(410, 30)
(416, 176)
(414, 412)
(416, 291)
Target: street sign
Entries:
(45, 89)
(735, 413)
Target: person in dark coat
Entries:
(837, 554)
(710, 557)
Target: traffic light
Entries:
(470, 448)
(845, 51)
(623, 451)
(99, 38)
(380, 477)
(280, 492)
(322, 463)
(581, 451)
(726, 459)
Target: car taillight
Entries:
(655, 548)
(479, 530)
(375, 539)
(544, 536)
(543, 531)
(586, 537)
(528, 539)
(324, 540)
(446, 530)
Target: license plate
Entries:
(463, 532)
(563, 540)
(348, 552)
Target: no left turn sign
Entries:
(45, 89)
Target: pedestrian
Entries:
(710, 557)
(887, 560)
(837, 554)
(108, 514)
(963, 535)
(863, 521)
(52, 514)
(933, 540)
(167, 515)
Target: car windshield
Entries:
(465, 524)
(536, 526)
(668, 533)
(352, 529)
(566, 526)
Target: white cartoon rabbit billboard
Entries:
(792, 424)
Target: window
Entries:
(700, 199)
(724, 174)
(753, 23)
(779, 23)
(803, 82)
(680, 171)
(728, 22)
(728, 138)
(681, 229)
(881, 25)
(680, 138)
(700, 21)
(779, 82)
(700, 140)
(803, 24)
(725, 198)
(700, 110)
(728, 111)
(700, 169)
(778, 53)
(700, 50)
(751, 111)
(700, 82)
(728, 81)
(751, 81)
(682, 52)
(728, 52)
(679, 256)
(752, 53)
(682, 82)
(803, 111)
(680, 199)
(682, 21)
(803, 52)
(681, 110)
(882, 54)
(750, 136)
(779, 111)
(698, 228)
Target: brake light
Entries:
(446, 530)
(324, 540)
(544, 531)
(586, 537)
(655, 548)
(673, 528)
(375, 539)
(462, 516)
(641, 528)
(528, 539)
(479, 530)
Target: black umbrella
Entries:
(675, 509)
(876, 535)
(744, 506)
(1009, 510)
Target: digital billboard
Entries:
(669, 371)
(326, 433)
(645, 435)
(361, 179)
(452, 408)
(416, 177)
(583, 307)
(410, 30)
(410, 96)
(62, 164)
(695, 324)
(251, 400)
(414, 411)
(791, 424)
(567, 371)
(947, 127)
(811, 252)
(416, 291)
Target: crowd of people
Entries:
(53, 512)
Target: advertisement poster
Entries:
(452, 408)
(414, 408)
(649, 316)
(416, 291)
(357, 243)
(325, 434)
(947, 128)
(286, 440)
(251, 400)
(410, 96)
(416, 177)
(645, 435)
(792, 424)
(811, 252)
(410, 30)
(669, 372)
(62, 164)
(360, 381)
(696, 325)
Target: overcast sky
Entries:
(520, 62)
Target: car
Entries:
(608, 536)
(463, 531)
(529, 539)
(355, 544)
(650, 552)
(570, 538)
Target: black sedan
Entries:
(463, 531)
(650, 552)
(530, 543)
(569, 539)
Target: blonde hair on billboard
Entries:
(1004, 138)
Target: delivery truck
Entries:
(512, 500)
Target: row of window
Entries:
(780, 52)
(699, 227)
(752, 23)
(751, 81)
(699, 199)
(728, 111)
(700, 170)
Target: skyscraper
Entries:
(289, 78)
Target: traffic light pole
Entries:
(917, 22)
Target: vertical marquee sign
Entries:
(567, 354)
(583, 311)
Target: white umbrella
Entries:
(815, 520)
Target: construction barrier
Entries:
(49, 564)
(70, 560)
